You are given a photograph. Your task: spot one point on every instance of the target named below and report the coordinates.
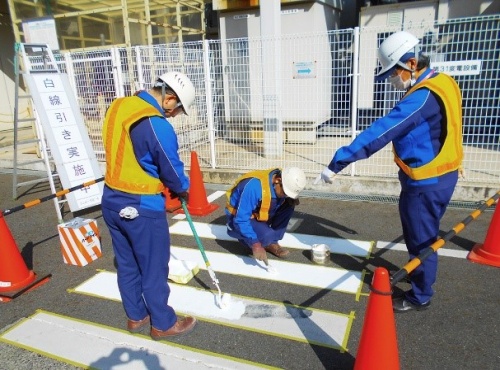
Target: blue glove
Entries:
(326, 176)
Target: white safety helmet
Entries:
(293, 180)
(181, 85)
(393, 50)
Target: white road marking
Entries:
(212, 197)
(89, 345)
(402, 247)
(316, 276)
(324, 328)
(290, 240)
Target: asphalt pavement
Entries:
(461, 329)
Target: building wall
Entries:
(6, 68)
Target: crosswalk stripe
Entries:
(315, 276)
(212, 197)
(85, 344)
(443, 252)
(307, 325)
(290, 240)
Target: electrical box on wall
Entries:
(305, 67)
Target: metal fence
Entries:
(325, 94)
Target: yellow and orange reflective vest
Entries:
(123, 171)
(262, 213)
(451, 154)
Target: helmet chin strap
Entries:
(413, 80)
(163, 92)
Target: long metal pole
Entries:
(51, 196)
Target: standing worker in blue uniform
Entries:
(425, 128)
(141, 160)
(259, 207)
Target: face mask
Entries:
(398, 83)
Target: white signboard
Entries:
(304, 69)
(41, 31)
(458, 68)
(67, 137)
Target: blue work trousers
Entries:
(142, 251)
(420, 215)
(268, 232)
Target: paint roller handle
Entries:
(211, 272)
(195, 234)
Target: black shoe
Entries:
(401, 305)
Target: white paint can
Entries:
(320, 253)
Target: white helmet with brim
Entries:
(181, 85)
(395, 51)
(293, 180)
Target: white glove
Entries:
(129, 212)
(326, 176)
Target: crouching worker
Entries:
(259, 207)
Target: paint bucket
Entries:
(320, 253)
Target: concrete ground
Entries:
(461, 329)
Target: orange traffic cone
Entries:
(489, 252)
(378, 346)
(198, 204)
(171, 204)
(15, 278)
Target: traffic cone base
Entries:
(15, 278)
(488, 253)
(479, 255)
(20, 284)
(197, 211)
(38, 280)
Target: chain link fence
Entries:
(324, 94)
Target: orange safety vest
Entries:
(450, 156)
(262, 213)
(123, 171)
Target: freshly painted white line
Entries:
(89, 345)
(302, 324)
(214, 196)
(290, 240)
(402, 247)
(316, 276)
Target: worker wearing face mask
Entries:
(425, 128)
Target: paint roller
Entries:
(222, 300)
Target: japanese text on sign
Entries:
(458, 68)
(67, 137)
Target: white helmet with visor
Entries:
(181, 85)
(293, 180)
(395, 51)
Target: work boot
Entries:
(401, 305)
(182, 326)
(276, 250)
(137, 326)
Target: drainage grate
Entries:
(384, 199)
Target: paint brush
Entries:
(270, 268)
